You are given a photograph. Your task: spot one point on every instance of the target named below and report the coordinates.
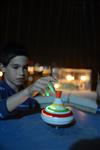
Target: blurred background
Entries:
(60, 34)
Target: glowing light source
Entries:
(69, 77)
(56, 85)
(76, 79)
(40, 69)
(1, 73)
(46, 70)
(31, 69)
(83, 78)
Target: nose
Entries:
(21, 72)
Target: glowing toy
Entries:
(57, 114)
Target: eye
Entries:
(15, 67)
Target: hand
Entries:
(42, 85)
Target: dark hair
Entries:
(12, 50)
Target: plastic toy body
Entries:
(57, 114)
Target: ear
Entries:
(2, 67)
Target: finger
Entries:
(39, 85)
(47, 93)
(37, 91)
(42, 92)
(42, 81)
(51, 87)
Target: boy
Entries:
(14, 98)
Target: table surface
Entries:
(32, 133)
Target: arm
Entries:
(15, 100)
(20, 97)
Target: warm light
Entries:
(56, 85)
(76, 79)
(31, 69)
(40, 69)
(46, 70)
(1, 73)
(83, 78)
(69, 77)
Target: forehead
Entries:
(20, 60)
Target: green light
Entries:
(50, 85)
(47, 93)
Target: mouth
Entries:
(20, 80)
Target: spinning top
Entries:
(56, 113)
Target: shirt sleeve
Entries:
(4, 113)
(3, 109)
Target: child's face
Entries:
(16, 71)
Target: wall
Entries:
(65, 33)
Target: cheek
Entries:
(12, 74)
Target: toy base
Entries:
(57, 119)
(63, 126)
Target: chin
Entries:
(19, 84)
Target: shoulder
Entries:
(2, 90)
(3, 83)
(2, 87)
